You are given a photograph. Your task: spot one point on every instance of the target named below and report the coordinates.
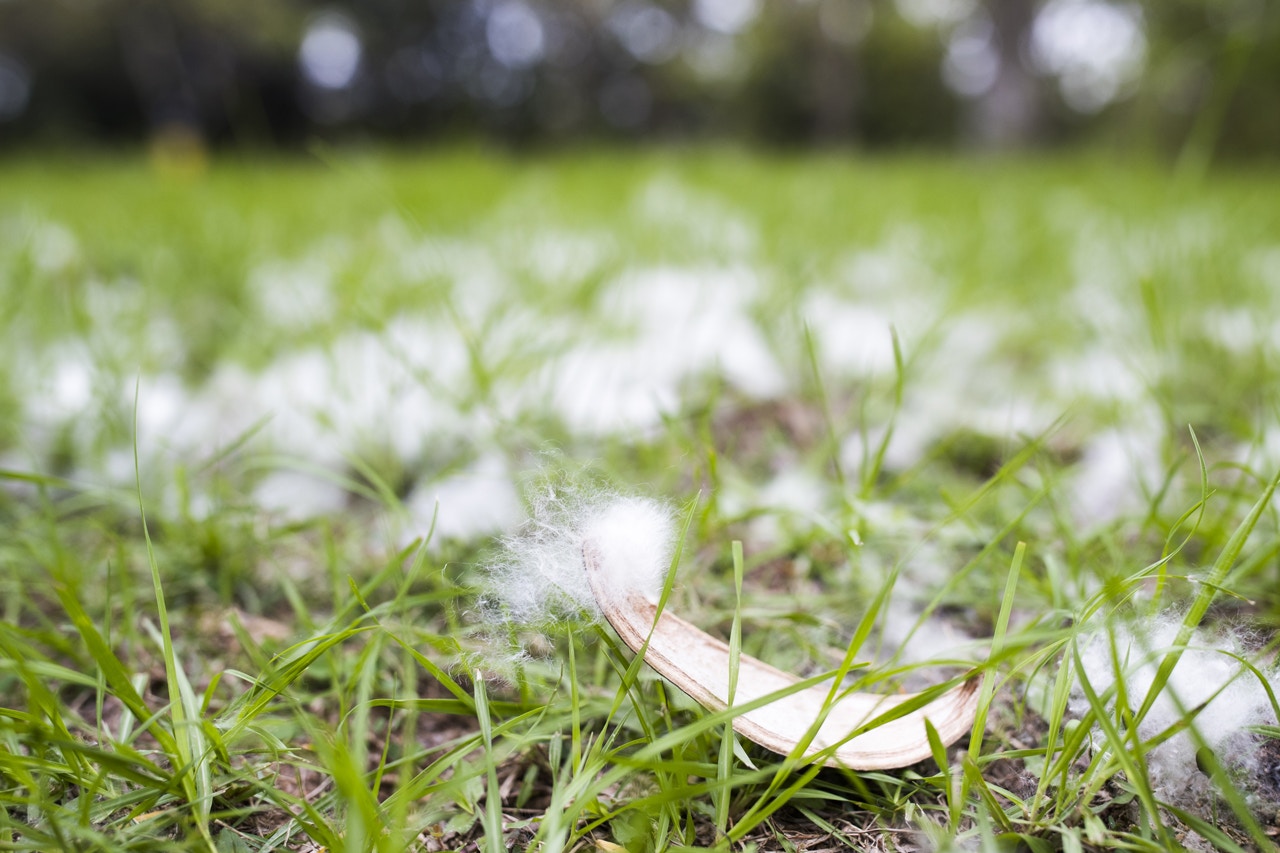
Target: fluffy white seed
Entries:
(1207, 672)
(540, 576)
(633, 537)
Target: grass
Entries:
(260, 427)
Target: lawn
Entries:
(272, 433)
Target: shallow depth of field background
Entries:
(333, 294)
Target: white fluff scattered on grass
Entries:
(540, 576)
(480, 500)
(1117, 471)
(1206, 667)
(674, 323)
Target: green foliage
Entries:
(183, 668)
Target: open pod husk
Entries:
(698, 664)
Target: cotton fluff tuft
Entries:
(541, 577)
(633, 537)
(1206, 667)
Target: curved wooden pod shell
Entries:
(698, 664)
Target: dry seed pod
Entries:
(698, 664)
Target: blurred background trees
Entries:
(1196, 78)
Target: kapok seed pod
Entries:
(698, 664)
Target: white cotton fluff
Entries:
(540, 576)
(633, 537)
(1203, 669)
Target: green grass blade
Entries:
(492, 817)
(728, 738)
(1208, 591)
